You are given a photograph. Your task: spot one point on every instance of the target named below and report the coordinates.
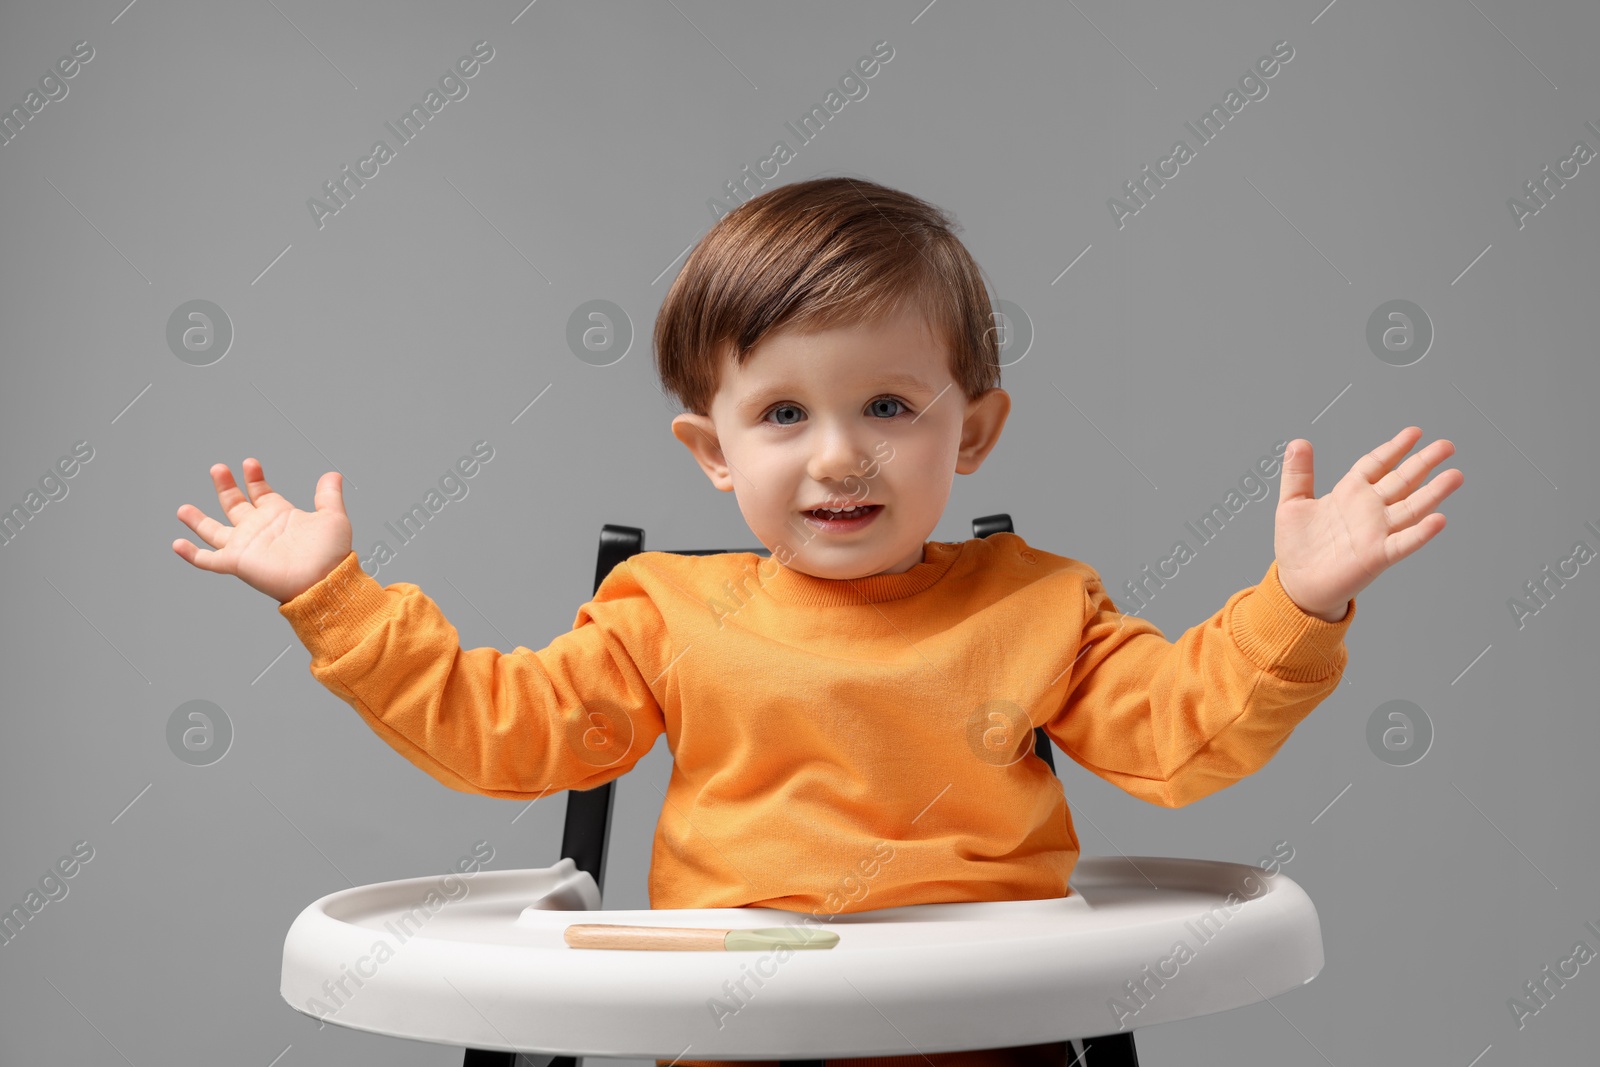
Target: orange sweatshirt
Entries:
(838, 746)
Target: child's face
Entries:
(813, 420)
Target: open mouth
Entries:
(842, 521)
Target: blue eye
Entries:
(876, 400)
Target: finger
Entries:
(234, 503)
(1422, 503)
(1400, 545)
(330, 493)
(255, 480)
(1375, 464)
(1401, 481)
(1299, 479)
(200, 557)
(214, 533)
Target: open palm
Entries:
(1329, 548)
(272, 545)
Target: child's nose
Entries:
(837, 453)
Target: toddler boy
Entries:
(851, 719)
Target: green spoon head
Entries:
(795, 937)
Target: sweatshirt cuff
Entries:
(331, 617)
(1281, 638)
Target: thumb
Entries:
(330, 493)
(1299, 481)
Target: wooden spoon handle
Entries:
(679, 939)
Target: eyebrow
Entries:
(901, 380)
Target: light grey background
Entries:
(1228, 314)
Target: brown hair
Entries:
(819, 254)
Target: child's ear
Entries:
(699, 436)
(980, 431)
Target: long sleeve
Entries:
(514, 725)
(1171, 722)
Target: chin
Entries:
(840, 570)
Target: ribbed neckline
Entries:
(795, 587)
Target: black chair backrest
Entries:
(587, 832)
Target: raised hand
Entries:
(271, 546)
(1330, 548)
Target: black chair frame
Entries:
(587, 831)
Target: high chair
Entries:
(494, 972)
